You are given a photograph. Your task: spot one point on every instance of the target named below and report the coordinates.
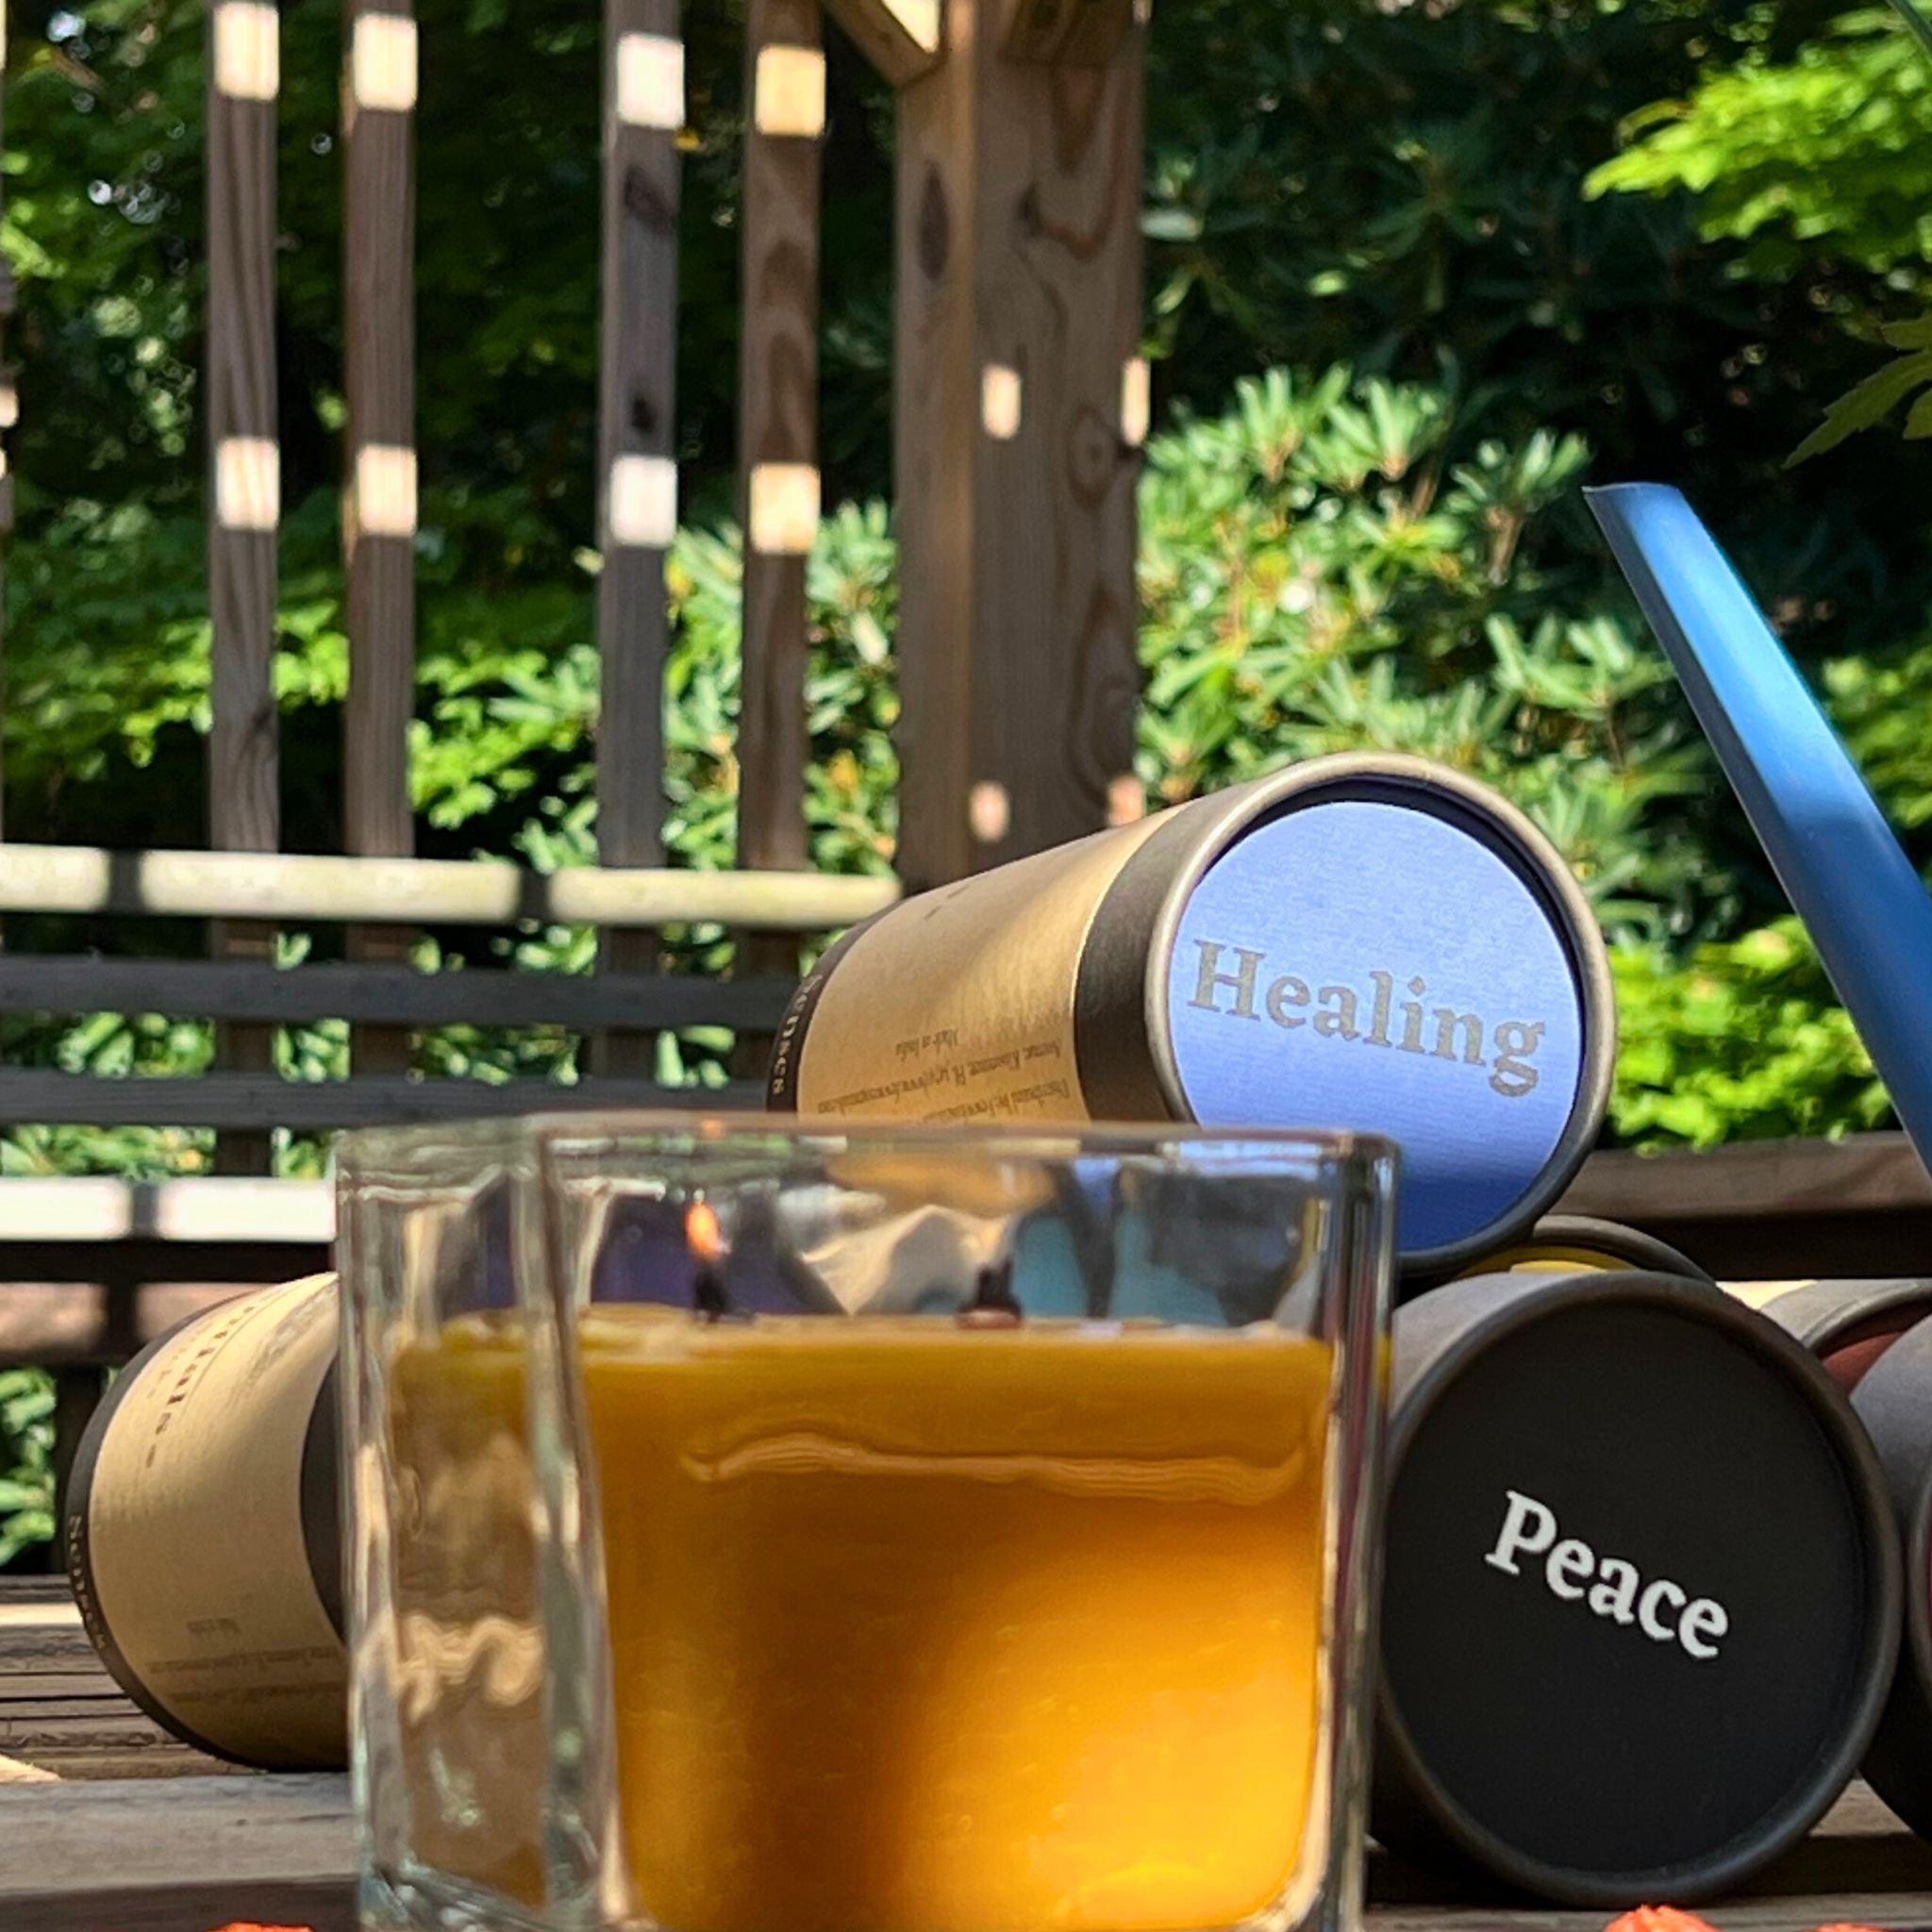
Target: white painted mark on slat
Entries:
(382, 64)
(920, 19)
(248, 50)
(248, 483)
(643, 502)
(988, 811)
(9, 406)
(38, 1616)
(1134, 401)
(385, 489)
(650, 81)
(784, 508)
(1000, 397)
(789, 91)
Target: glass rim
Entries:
(392, 1146)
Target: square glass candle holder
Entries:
(759, 1527)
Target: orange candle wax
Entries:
(921, 1629)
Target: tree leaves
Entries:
(1871, 403)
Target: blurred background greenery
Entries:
(1416, 268)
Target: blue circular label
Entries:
(1364, 965)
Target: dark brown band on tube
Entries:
(1112, 1049)
(787, 1047)
(321, 1498)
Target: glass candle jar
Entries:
(865, 1529)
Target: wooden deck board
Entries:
(106, 1825)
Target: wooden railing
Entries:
(1021, 402)
(268, 891)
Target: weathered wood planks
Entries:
(384, 995)
(637, 492)
(245, 487)
(1774, 1209)
(259, 1101)
(778, 473)
(379, 85)
(1020, 403)
(161, 1843)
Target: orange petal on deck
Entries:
(1659, 1919)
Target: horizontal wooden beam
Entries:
(1764, 1210)
(246, 1208)
(385, 995)
(261, 1101)
(56, 1323)
(1750, 1179)
(425, 891)
(903, 39)
(205, 1851)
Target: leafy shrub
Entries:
(1329, 564)
(26, 1466)
(1744, 1042)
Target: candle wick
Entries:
(993, 1304)
(708, 1297)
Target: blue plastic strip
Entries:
(1820, 827)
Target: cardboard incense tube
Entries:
(1849, 1325)
(1580, 1243)
(1895, 1402)
(1640, 1587)
(202, 1531)
(1373, 942)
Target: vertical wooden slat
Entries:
(1020, 406)
(10, 398)
(935, 432)
(643, 111)
(777, 402)
(244, 73)
(380, 518)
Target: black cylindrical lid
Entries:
(1570, 1244)
(1895, 1402)
(1641, 1594)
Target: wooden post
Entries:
(1020, 406)
(643, 111)
(379, 515)
(244, 490)
(777, 404)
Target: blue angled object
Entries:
(1822, 829)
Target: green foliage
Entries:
(1321, 573)
(26, 1465)
(1744, 1042)
(1829, 149)
(1828, 152)
(1875, 398)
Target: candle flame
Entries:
(701, 1229)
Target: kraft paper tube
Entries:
(1820, 826)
